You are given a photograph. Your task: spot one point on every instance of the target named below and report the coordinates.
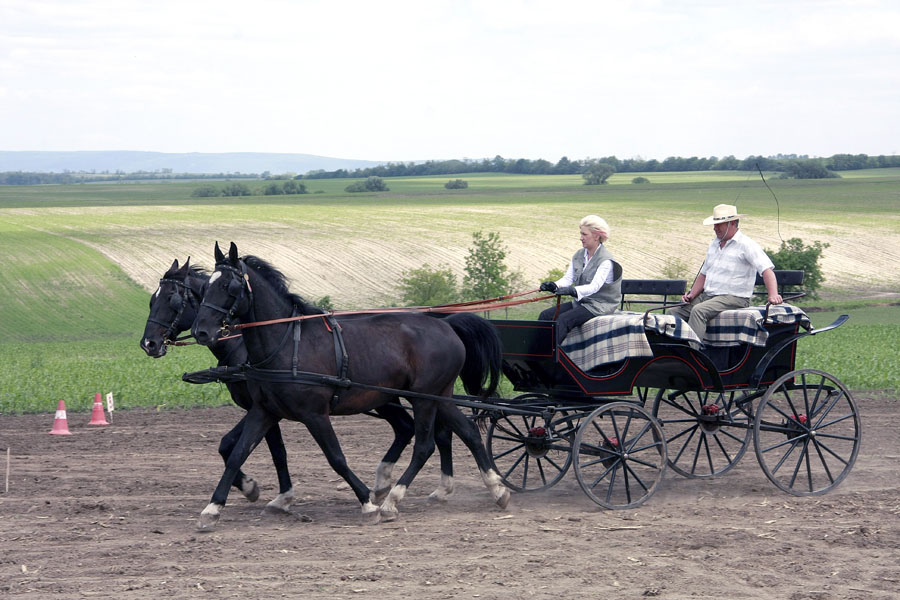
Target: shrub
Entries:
(640, 180)
(236, 189)
(206, 191)
(456, 184)
(795, 255)
(597, 173)
(675, 268)
(273, 189)
(428, 287)
(371, 184)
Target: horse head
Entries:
(173, 307)
(227, 296)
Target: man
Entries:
(728, 274)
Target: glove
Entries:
(548, 286)
(565, 291)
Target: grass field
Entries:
(81, 260)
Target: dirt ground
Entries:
(110, 512)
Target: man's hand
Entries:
(775, 299)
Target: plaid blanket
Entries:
(745, 325)
(618, 336)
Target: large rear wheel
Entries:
(619, 455)
(807, 432)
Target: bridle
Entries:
(186, 297)
(238, 288)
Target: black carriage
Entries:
(622, 418)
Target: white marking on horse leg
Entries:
(250, 488)
(210, 516)
(383, 480)
(370, 513)
(499, 492)
(443, 492)
(389, 511)
(281, 504)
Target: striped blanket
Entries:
(745, 325)
(621, 335)
(618, 336)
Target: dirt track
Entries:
(111, 512)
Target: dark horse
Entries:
(403, 351)
(173, 308)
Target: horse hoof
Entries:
(207, 522)
(389, 515)
(274, 509)
(371, 518)
(438, 496)
(503, 500)
(250, 489)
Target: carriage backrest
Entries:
(658, 292)
(784, 278)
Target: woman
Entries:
(594, 279)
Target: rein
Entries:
(471, 306)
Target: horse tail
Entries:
(480, 374)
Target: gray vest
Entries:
(607, 299)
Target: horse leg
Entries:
(402, 424)
(320, 428)
(246, 484)
(256, 424)
(403, 427)
(423, 448)
(285, 497)
(443, 439)
(467, 431)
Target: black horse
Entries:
(296, 372)
(173, 308)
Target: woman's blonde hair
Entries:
(597, 224)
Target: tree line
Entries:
(801, 166)
(565, 166)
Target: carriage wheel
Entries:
(707, 433)
(529, 453)
(619, 455)
(807, 432)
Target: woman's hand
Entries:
(548, 286)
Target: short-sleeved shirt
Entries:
(732, 270)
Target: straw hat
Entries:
(722, 214)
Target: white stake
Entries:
(7, 471)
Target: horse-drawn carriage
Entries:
(624, 397)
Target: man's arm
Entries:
(772, 286)
(695, 289)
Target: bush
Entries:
(428, 287)
(640, 180)
(273, 189)
(597, 173)
(371, 184)
(807, 169)
(294, 187)
(675, 268)
(456, 184)
(206, 191)
(794, 255)
(236, 189)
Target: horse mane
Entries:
(278, 281)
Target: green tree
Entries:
(273, 189)
(428, 287)
(597, 173)
(486, 273)
(294, 187)
(795, 255)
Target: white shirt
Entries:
(732, 270)
(603, 275)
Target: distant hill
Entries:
(193, 162)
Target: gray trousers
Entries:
(704, 307)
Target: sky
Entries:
(434, 79)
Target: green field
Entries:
(81, 260)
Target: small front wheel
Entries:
(619, 455)
(807, 432)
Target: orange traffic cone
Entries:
(97, 416)
(60, 423)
